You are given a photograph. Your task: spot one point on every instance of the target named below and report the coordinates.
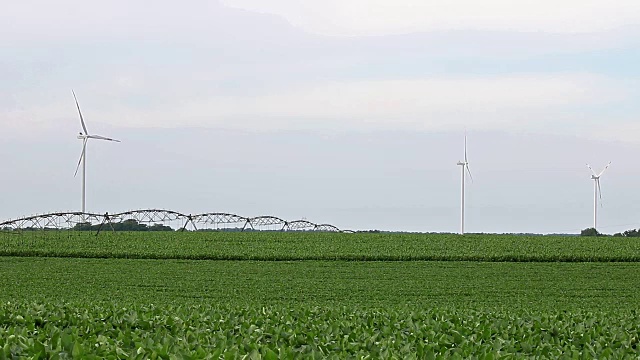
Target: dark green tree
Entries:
(590, 232)
(629, 233)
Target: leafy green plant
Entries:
(60, 330)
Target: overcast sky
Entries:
(350, 112)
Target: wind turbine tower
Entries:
(464, 166)
(84, 136)
(597, 192)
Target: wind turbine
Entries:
(597, 191)
(84, 136)
(464, 165)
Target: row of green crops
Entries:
(539, 286)
(320, 246)
(88, 330)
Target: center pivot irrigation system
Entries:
(71, 221)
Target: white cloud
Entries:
(379, 17)
(555, 104)
(76, 19)
(514, 102)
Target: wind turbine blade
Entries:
(599, 190)
(102, 138)
(84, 148)
(465, 147)
(594, 173)
(469, 172)
(84, 127)
(605, 169)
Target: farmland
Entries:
(289, 295)
(277, 246)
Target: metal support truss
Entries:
(158, 217)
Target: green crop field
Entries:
(486, 285)
(319, 246)
(317, 295)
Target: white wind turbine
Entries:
(464, 165)
(84, 136)
(597, 191)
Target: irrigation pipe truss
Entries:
(206, 221)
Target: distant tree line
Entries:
(594, 232)
(628, 233)
(127, 225)
(30, 228)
